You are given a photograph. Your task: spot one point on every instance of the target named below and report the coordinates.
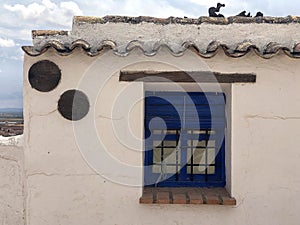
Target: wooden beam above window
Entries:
(186, 77)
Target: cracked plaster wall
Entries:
(11, 182)
(62, 188)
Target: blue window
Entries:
(184, 139)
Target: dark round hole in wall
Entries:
(73, 105)
(44, 76)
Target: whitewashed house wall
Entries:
(71, 179)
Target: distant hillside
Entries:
(13, 110)
(11, 113)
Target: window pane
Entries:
(171, 169)
(201, 169)
(198, 156)
(196, 143)
(196, 169)
(170, 156)
(156, 155)
(211, 143)
(156, 169)
(157, 143)
(169, 144)
(211, 170)
(211, 153)
(163, 169)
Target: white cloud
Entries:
(22, 33)
(132, 8)
(71, 7)
(46, 12)
(7, 43)
(33, 10)
(206, 3)
(151, 8)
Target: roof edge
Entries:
(272, 49)
(38, 33)
(185, 20)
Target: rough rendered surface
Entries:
(262, 159)
(11, 183)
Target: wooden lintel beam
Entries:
(187, 77)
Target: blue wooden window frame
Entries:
(188, 119)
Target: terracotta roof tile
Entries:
(240, 50)
(95, 34)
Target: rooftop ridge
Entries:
(185, 20)
(205, 36)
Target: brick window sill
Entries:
(208, 196)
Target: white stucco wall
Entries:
(63, 188)
(11, 181)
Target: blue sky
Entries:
(18, 18)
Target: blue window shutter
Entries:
(186, 110)
(185, 113)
